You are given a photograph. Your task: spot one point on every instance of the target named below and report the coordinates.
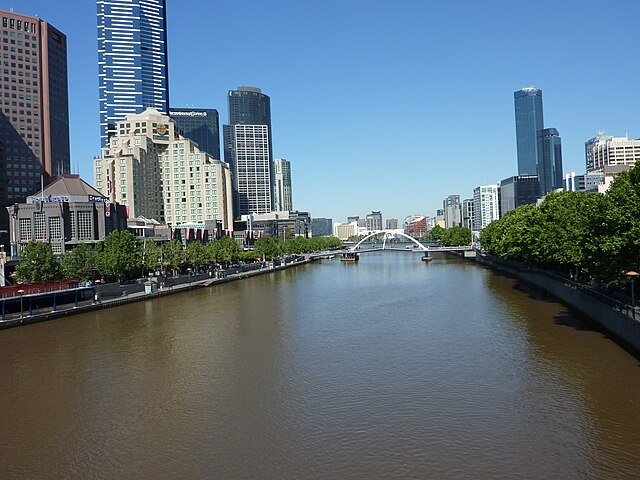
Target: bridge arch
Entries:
(388, 232)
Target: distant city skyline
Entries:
(361, 99)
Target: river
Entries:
(389, 368)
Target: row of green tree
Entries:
(593, 235)
(449, 237)
(122, 256)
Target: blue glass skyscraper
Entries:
(550, 170)
(529, 123)
(132, 60)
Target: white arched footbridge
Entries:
(389, 235)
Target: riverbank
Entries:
(139, 295)
(614, 318)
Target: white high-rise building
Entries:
(252, 168)
(157, 173)
(605, 150)
(283, 200)
(485, 206)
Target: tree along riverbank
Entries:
(617, 319)
(114, 295)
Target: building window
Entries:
(85, 226)
(72, 225)
(39, 227)
(55, 228)
(25, 229)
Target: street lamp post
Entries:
(21, 292)
(633, 276)
(96, 298)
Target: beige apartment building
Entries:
(607, 151)
(157, 173)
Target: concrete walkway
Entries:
(44, 314)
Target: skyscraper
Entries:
(283, 199)
(486, 207)
(529, 122)
(550, 169)
(132, 60)
(452, 211)
(34, 126)
(248, 150)
(200, 125)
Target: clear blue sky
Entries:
(384, 105)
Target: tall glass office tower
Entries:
(529, 123)
(550, 170)
(132, 60)
(248, 150)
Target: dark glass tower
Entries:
(550, 169)
(200, 125)
(34, 125)
(132, 60)
(252, 168)
(529, 122)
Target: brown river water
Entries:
(390, 368)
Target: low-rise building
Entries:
(321, 227)
(416, 225)
(279, 224)
(345, 230)
(66, 213)
(599, 181)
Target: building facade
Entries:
(374, 221)
(416, 225)
(452, 211)
(550, 171)
(249, 114)
(132, 60)
(485, 206)
(517, 191)
(468, 213)
(391, 224)
(34, 125)
(529, 122)
(279, 224)
(283, 198)
(201, 125)
(605, 150)
(252, 171)
(321, 227)
(159, 174)
(68, 212)
(344, 231)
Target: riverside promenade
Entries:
(177, 285)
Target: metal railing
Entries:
(589, 290)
